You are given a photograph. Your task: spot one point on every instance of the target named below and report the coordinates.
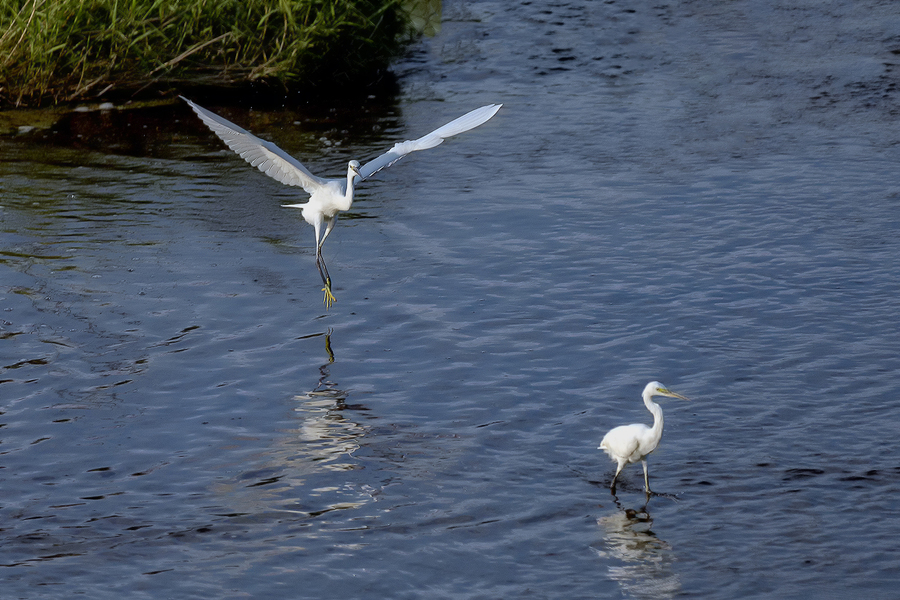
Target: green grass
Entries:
(65, 50)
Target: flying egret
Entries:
(328, 197)
(632, 443)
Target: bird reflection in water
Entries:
(640, 562)
(307, 471)
(328, 437)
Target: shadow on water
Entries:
(164, 129)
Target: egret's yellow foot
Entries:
(329, 297)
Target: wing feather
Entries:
(266, 156)
(468, 121)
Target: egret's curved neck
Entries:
(657, 413)
(348, 194)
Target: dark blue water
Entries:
(700, 193)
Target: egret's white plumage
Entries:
(632, 443)
(328, 197)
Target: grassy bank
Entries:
(64, 50)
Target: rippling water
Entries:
(700, 193)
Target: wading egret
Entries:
(632, 443)
(328, 197)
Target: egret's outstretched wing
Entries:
(265, 156)
(466, 122)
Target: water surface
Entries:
(699, 193)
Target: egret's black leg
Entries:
(326, 280)
(612, 486)
(320, 261)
